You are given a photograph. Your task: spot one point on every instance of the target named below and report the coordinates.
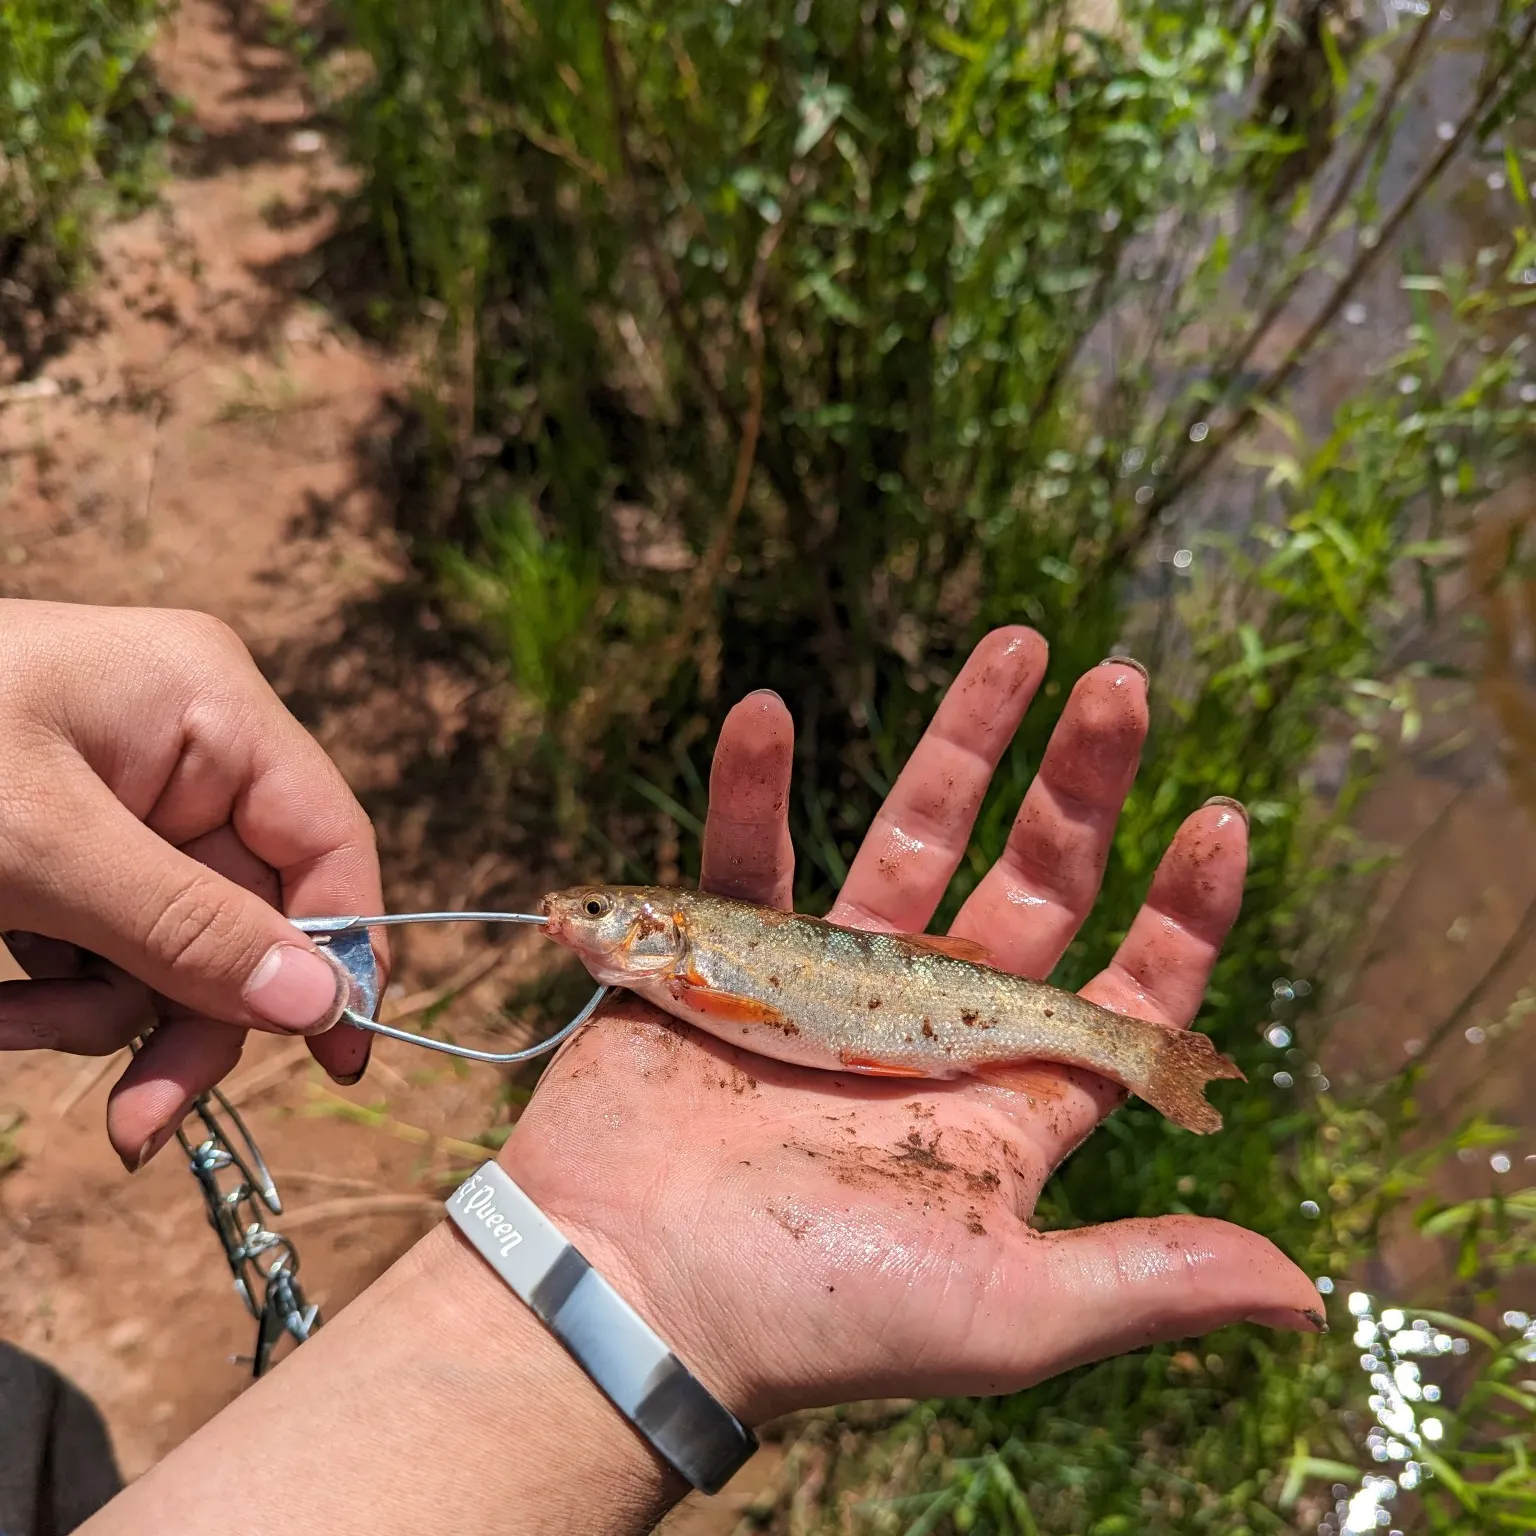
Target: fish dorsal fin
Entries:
(948, 944)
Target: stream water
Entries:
(1455, 943)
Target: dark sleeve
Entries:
(56, 1463)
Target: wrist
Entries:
(436, 1386)
(662, 1289)
(508, 1359)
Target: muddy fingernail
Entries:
(1231, 805)
(153, 1144)
(347, 1079)
(1132, 663)
(1295, 1319)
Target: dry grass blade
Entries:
(85, 1079)
(360, 1205)
(302, 1176)
(269, 1073)
(328, 1103)
(433, 997)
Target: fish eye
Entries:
(595, 906)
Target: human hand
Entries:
(159, 811)
(803, 1237)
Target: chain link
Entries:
(240, 1195)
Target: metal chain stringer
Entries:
(239, 1194)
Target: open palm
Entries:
(805, 1237)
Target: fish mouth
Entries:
(554, 925)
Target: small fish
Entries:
(803, 990)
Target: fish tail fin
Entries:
(1183, 1062)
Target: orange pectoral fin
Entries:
(873, 1068)
(1031, 1076)
(948, 944)
(727, 1007)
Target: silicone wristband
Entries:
(636, 1371)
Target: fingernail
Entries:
(1296, 1319)
(1131, 662)
(346, 1079)
(153, 1144)
(297, 989)
(766, 693)
(1231, 805)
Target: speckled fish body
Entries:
(805, 991)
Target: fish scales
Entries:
(808, 992)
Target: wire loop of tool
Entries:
(346, 939)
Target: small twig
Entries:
(1524, 932)
(1300, 265)
(361, 1205)
(259, 1079)
(461, 981)
(376, 1119)
(695, 605)
(1365, 259)
(1410, 860)
(154, 462)
(665, 273)
(709, 567)
(284, 1177)
(557, 147)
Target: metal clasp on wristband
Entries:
(694, 1432)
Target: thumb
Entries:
(112, 886)
(1101, 1291)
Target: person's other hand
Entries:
(803, 1237)
(160, 810)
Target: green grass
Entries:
(81, 120)
(898, 322)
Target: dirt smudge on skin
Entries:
(796, 1226)
(976, 1169)
(920, 1154)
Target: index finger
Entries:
(298, 815)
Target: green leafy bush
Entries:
(79, 113)
(795, 344)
